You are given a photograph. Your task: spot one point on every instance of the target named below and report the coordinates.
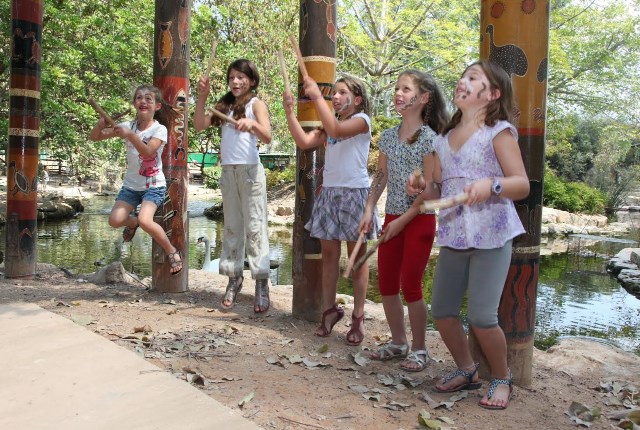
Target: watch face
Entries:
(497, 187)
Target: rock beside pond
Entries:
(114, 273)
(59, 207)
(214, 212)
(626, 267)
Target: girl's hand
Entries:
(365, 222)
(415, 184)
(288, 102)
(392, 229)
(122, 132)
(311, 89)
(245, 124)
(204, 86)
(478, 191)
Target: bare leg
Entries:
(418, 320)
(494, 347)
(155, 230)
(360, 282)
(120, 215)
(455, 339)
(394, 312)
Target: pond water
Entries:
(576, 296)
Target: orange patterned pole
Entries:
(171, 76)
(318, 48)
(515, 34)
(24, 139)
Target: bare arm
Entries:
(202, 119)
(101, 131)
(261, 126)
(302, 139)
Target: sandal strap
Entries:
(388, 351)
(493, 384)
(461, 372)
(261, 297)
(415, 357)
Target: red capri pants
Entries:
(403, 259)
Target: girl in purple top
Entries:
(477, 154)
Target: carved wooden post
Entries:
(24, 138)
(318, 46)
(171, 76)
(515, 34)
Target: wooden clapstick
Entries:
(102, 112)
(283, 70)
(443, 203)
(353, 256)
(368, 254)
(296, 49)
(212, 56)
(222, 116)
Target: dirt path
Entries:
(287, 378)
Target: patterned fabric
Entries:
(402, 160)
(486, 225)
(144, 172)
(336, 214)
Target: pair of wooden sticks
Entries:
(353, 266)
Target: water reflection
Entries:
(575, 294)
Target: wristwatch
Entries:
(496, 188)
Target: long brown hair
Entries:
(434, 113)
(228, 102)
(166, 114)
(501, 108)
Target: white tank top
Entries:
(239, 147)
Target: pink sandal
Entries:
(356, 331)
(323, 328)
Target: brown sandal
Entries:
(261, 300)
(233, 288)
(128, 233)
(323, 328)
(356, 331)
(175, 262)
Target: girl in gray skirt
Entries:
(340, 204)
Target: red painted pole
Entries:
(24, 138)
(318, 45)
(171, 76)
(515, 34)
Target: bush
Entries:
(211, 177)
(572, 196)
(277, 177)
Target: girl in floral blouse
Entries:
(477, 154)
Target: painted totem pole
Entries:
(24, 138)
(318, 46)
(171, 76)
(515, 34)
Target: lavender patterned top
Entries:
(486, 225)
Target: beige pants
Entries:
(244, 203)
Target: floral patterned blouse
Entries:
(487, 225)
(402, 160)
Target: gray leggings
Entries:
(480, 271)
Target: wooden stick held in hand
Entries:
(222, 116)
(283, 70)
(102, 112)
(212, 56)
(296, 49)
(354, 254)
(444, 203)
(368, 254)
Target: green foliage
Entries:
(276, 177)
(571, 196)
(211, 177)
(543, 342)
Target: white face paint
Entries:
(346, 105)
(467, 85)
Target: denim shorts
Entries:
(134, 198)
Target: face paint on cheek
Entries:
(346, 105)
(467, 86)
(484, 88)
(412, 101)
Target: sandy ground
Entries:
(278, 374)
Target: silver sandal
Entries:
(415, 357)
(390, 351)
(261, 300)
(233, 288)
